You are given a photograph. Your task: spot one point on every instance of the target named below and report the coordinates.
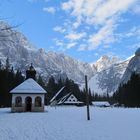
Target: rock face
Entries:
(105, 62)
(21, 53)
(133, 66)
(108, 80)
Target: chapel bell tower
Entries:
(31, 72)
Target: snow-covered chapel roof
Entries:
(28, 86)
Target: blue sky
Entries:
(83, 29)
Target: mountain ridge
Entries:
(21, 53)
(133, 67)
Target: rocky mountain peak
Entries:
(106, 61)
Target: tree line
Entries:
(10, 78)
(128, 94)
(53, 86)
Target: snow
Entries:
(105, 62)
(69, 123)
(93, 84)
(28, 86)
(133, 66)
(73, 102)
(69, 99)
(101, 104)
(107, 81)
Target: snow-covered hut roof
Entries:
(28, 86)
(57, 94)
(64, 100)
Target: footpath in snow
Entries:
(69, 123)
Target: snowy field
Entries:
(69, 123)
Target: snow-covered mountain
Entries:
(133, 66)
(108, 80)
(21, 53)
(105, 75)
(105, 62)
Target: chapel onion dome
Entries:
(31, 72)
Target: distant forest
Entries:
(128, 94)
(10, 78)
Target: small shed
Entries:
(101, 104)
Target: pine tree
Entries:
(40, 81)
(8, 81)
(7, 64)
(19, 78)
(0, 65)
(51, 88)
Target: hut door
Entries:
(28, 102)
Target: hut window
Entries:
(38, 101)
(18, 101)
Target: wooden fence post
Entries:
(87, 98)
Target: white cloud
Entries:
(110, 9)
(102, 15)
(82, 47)
(58, 42)
(67, 5)
(71, 45)
(106, 46)
(75, 36)
(63, 45)
(136, 8)
(103, 37)
(135, 31)
(51, 10)
(96, 11)
(76, 24)
(134, 46)
(59, 29)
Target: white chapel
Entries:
(29, 95)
